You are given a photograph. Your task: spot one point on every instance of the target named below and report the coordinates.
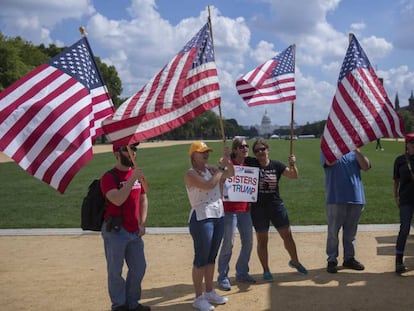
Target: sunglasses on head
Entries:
(243, 146)
(259, 149)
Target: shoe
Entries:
(298, 266)
(353, 264)
(141, 307)
(120, 308)
(332, 267)
(246, 279)
(268, 277)
(400, 268)
(224, 284)
(202, 304)
(213, 297)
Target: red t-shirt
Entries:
(130, 207)
(236, 207)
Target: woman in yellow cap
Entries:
(206, 222)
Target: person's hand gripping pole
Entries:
(142, 178)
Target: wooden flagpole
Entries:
(142, 180)
(292, 109)
(219, 106)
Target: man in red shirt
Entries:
(122, 231)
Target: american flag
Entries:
(50, 118)
(272, 82)
(361, 110)
(186, 87)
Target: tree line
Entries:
(18, 57)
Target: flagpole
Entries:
(142, 180)
(292, 106)
(292, 109)
(219, 106)
(84, 35)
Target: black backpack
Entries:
(94, 204)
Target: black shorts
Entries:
(263, 215)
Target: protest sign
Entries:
(243, 186)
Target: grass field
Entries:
(27, 202)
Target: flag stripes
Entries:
(272, 82)
(186, 87)
(361, 110)
(49, 118)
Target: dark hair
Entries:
(260, 141)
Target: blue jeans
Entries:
(243, 222)
(406, 215)
(120, 246)
(345, 216)
(207, 235)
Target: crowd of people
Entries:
(213, 220)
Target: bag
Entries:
(94, 204)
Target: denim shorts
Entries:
(207, 235)
(263, 215)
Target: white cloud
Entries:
(34, 19)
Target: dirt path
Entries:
(63, 273)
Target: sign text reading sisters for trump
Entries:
(242, 187)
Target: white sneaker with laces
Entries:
(202, 304)
(213, 297)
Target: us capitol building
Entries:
(266, 128)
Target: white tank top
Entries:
(206, 203)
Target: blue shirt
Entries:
(343, 182)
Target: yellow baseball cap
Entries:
(199, 146)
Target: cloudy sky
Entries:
(139, 37)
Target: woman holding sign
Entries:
(270, 208)
(237, 215)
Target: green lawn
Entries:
(27, 202)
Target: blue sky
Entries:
(139, 37)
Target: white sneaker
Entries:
(213, 297)
(202, 304)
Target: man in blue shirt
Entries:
(345, 200)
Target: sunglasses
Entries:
(132, 147)
(261, 149)
(243, 146)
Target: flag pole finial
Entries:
(83, 31)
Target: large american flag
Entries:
(186, 87)
(272, 82)
(361, 110)
(50, 118)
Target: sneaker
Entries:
(268, 277)
(120, 308)
(353, 264)
(246, 279)
(202, 304)
(224, 284)
(332, 267)
(400, 268)
(213, 297)
(141, 307)
(298, 266)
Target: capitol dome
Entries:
(266, 126)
